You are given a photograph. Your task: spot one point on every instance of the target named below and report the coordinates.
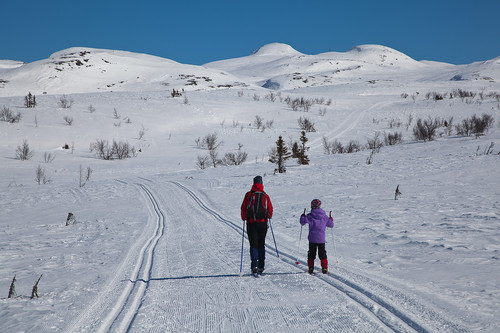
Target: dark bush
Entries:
(475, 125)
(426, 129)
(391, 139)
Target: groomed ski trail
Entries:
(195, 285)
(109, 313)
(414, 318)
(187, 280)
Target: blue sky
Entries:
(197, 32)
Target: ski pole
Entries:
(242, 240)
(334, 247)
(298, 247)
(276, 246)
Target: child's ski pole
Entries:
(298, 247)
(334, 247)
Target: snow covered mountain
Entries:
(275, 66)
(279, 66)
(83, 70)
(156, 243)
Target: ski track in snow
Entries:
(123, 310)
(164, 283)
(348, 124)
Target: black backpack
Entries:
(257, 210)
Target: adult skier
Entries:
(256, 209)
(318, 221)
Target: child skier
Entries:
(318, 221)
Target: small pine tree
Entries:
(303, 158)
(279, 155)
(30, 100)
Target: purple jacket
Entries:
(318, 221)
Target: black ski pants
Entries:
(257, 232)
(257, 236)
(311, 254)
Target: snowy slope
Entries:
(278, 66)
(83, 70)
(157, 241)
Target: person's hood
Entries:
(258, 187)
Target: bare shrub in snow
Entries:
(487, 151)
(426, 129)
(391, 139)
(332, 147)
(299, 103)
(142, 132)
(203, 162)
(65, 102)
(211, 141)
(395, 123)
(475, 125)
(271, 96)
(117, 150)
(258, 122)
(68, 120)
(40, 176)
(23, 152)
(123, 150)
(434, 96)
(214, 158)
(448, 125)
(327, 146)
(369, 160)
(48, 157)
(84, 176)
(352, 147)
(306, 124)
(376, 142)
(8, 116)
(237, 158)
(481, 125)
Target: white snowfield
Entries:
(156, 244)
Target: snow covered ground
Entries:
(156, 245)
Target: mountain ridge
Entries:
(275, 66)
